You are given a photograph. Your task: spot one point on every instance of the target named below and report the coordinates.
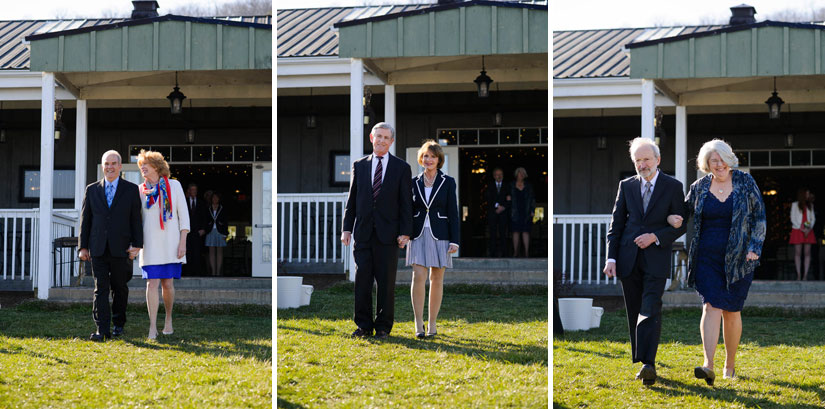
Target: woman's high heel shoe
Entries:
(420, 335)
(705, 373)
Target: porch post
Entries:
(356, 128)
(389, 111)
(80, 155)
(44, 258)
(681, 145)
(648, 106)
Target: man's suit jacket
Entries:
(443, 208)
(499, 197)
(115, 227)
(390, 214)
(196, 216)
(630, 221)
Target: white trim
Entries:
(25, 86)
(44, 262)
(318, 72)
(595, 93)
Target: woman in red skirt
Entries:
(802, 236)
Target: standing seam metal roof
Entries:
(14, 54)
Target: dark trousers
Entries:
(497, 226)
(375, 262)
(194, 251)
(643, 300)
(111, 275)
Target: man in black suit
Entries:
(111, 234)
(639, 249)
(378, 217)
(194, 242)
(498, 215)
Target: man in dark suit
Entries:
(498, 215)
(378, 217)
(111, 235)
(194, 242)
(639, 249)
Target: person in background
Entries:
(194, 241)
(498, 214)
(523, 206)
(217, 228)
(802, 236)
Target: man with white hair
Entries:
(111, 235)
(639, 248)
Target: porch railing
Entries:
(309, 228)
(19, 239)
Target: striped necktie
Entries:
(376, 180)
(646, 195)
(110, 194)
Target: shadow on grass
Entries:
(283, 403)
(817, 389)
(249, 350)
(32, 354)
(721, 394)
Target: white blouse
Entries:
(161, 246)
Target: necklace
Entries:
(428, 182)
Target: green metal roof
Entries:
(476, 27)
(768, 48)
(166, 43)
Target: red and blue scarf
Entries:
(162, 194)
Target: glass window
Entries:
(509, 136)
(488, 136)
(544, 135)
(62, 184)
(202, 154)
(530, 135)
(760, 158)
(163, 150)
(468, 136)
(263, 153)
(780, 158)
(819, 158)
(181, 154)
(134, 151)
(801, 158)
(743, 158)
(244, 153)
(447, 136)
(222, 153)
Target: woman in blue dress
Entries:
(729, 229)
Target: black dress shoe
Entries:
(702, 372)
(361, 333)
(381, 334)
(647, 374)
(117, 331)
(98, 337)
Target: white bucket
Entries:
(576, 313)
(289, 292)
(306, 294)
(596, 317)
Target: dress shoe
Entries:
(117, 331)
(647, 374)
(381, 334)
(702, 372)
(361, 333)
(432, 334)
(98, 337)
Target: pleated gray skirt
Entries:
(428, 252)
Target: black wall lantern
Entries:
(176, 98)
(483, 82)
(774, 103)
(367, 105)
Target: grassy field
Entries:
(491, 351)
(779, 364)
(219, 357)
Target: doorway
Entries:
(779, 189)
(475, 172)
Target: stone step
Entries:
(459, 263)
(15, 285)
(784, 299)
(182, 295)
(503, 277)
(226, 283)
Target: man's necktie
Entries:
(646, 195)
(376, 180)
(498, 187)
(110, 194)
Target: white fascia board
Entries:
(595, 93)
(323, 81)
(314, 72)
(32, 94)
(25, 86)
(612, 101)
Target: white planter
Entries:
(289, 292)
(596, 317)
(306, 294)
(576, 313)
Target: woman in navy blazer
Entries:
(435, 234)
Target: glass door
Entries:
(262, 219)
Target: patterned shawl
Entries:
(162, 194)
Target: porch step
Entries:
(182, 295)
(228, 283)
(781, 299)
(15, 285)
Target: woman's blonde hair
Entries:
(434, 148)
(722, 148)
(155, 160)
(520, 169)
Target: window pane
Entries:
(202, 154)
(448, 135)
(222, 153)
(181, 154)
(743, 158)
(263, 153)
(509, 136)
(468, 137)
(801, 158)
(488, 136)
(759, 158)
(134, 151)
(530, 135)
(244, 153)
(164, 150)
(780, 158)
(819, 158)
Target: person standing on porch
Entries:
(378, 218)
(523, 208)
(802, 235)
(165, 226)
(110, 236)
(194, 242)
(498, 213)
(729, 230)
(436, 231)
(218, 228)
(639, 243)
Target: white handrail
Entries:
(583, 247)
(19, 240)
(309, 227)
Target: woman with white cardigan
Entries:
(165, 225)
(802, 236)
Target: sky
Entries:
(50, 9)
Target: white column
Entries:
(648, 107)
(681, 145)
(44, 258)
(389, 111)
(80, 154)
(356, 128)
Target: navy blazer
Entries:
(390, 214)
(630, 221)
(442, 208)
(115, 227)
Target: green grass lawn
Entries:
(218, 357)
(491, 351)
(780, 364)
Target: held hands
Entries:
(675, 220)
(610, 269)
(500, 209)
(751, 256)
(645, 240)
(346, 237)
(402, 241)
(133, 252)
(453, 248)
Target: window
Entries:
(339, 168)
(62, 185)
